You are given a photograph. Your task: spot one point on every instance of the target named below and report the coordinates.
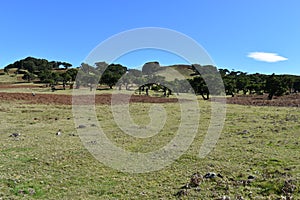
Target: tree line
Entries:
(203, 80)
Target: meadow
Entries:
(257, 142)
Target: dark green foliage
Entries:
(276, 85)
(200, 87)
(112, 74)
(150, 67)
(207, 81)
(33, 68)
(28, 76)
(35, 65)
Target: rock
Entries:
(250, 177)
(15, 135)
(81, 126)
(58, 132)
(225, 198)
(210, 175)
(239, 197)
(288, 187)
(195, 180)
(72, 134)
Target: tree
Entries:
(112, 74)
(150, 67)
(275, 85)
(28, 77)
(36, 65)
(72, 73)
(230, 85)
(242, 82)
(66, 65)
(256, 83)
(200, 87)
(296, 85)
(45, 76)
(101, 66)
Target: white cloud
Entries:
(266, 57)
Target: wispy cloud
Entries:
(266, 57)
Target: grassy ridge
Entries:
(258, 141)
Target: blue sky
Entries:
(248, 35)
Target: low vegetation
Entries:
(42, 156)
(258, 142)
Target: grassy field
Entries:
(262, 142)
(12, 78)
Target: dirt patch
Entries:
(62, 99)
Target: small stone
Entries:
(239, 197)
(15, 135)
(250, 177)
(58, 133)
(210, 175)
(225, 198)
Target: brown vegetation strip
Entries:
(2, 86)
(62, 99)
(292, 100)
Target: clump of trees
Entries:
(236, 82)
(203, 80)
(42, 70)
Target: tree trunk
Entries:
(203, 96)
(270, 96)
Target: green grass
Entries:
(11, 78)
(61, 168)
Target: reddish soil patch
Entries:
(18, 86)
(67, 99)
(292, 100)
